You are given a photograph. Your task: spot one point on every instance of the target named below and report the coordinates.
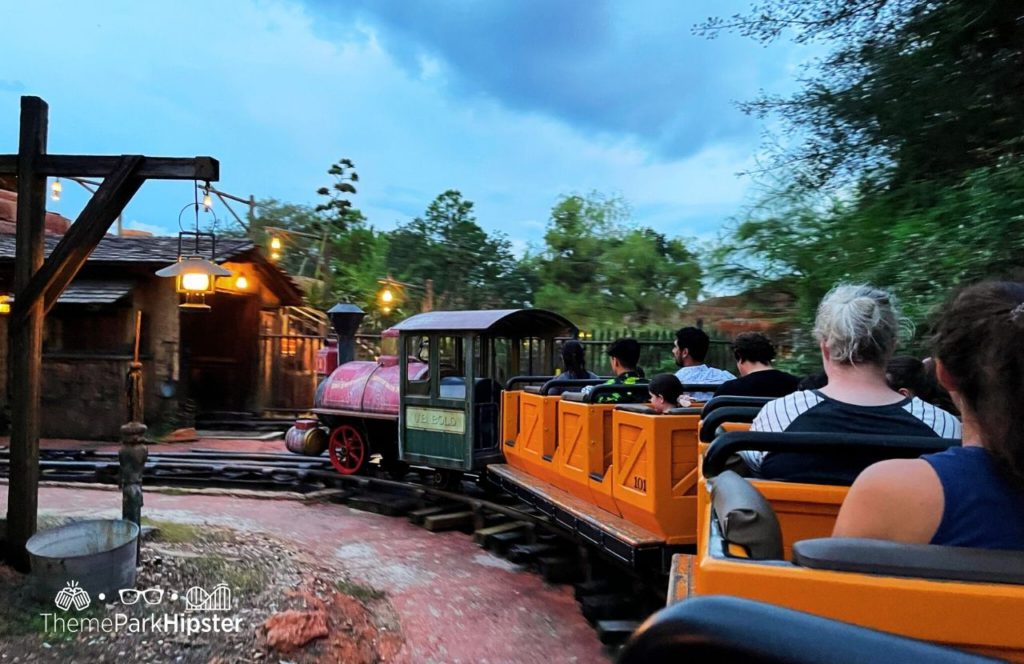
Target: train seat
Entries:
(806, 510)
(922, 561)
(959, 597)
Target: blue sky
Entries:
(513, 102)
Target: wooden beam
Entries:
(74, 248)
(26, 336)
(156, 168)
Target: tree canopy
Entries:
(901, 163)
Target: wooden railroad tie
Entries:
(450, 521)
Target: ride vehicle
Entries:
(958, 597)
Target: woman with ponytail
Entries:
(965, 496)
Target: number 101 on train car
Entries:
(434, 419)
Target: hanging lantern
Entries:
(275, 243)
(195, 277)
(241, 283)
(55, 189)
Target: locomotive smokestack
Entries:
(345, 318)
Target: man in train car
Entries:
(754, 353)
(689, 350)
(624, 358)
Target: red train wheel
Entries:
(347, 450)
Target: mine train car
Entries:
(433, 397)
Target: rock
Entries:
(290, 630)
(186, 435)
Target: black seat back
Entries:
(745, 518)
(922, 561)
(865, 448)
(733, 401)
(729, 629)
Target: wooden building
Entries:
(252, 352)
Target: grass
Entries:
(239, 576)
(174, 533)
(358, 591)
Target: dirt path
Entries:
(453, 601)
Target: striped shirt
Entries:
(812, 411)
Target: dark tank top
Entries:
(983, 509)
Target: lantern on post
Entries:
(195, 277)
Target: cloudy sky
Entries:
(513, 102)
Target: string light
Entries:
(55, 189)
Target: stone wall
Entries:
(83, 397)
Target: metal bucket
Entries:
(98, 556)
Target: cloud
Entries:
(631, 68)
(533, 105)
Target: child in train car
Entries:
(973, 495)
(665, 390)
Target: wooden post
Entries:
(133, 453)
(38, 283)
(26, 334)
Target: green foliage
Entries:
(910, 89)
(903, 162)
(598, 270)
(469, 268)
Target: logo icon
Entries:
(72, 595)
(219, 599)
(131, 596)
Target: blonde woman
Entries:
(857, 327)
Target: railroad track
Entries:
(611, 598)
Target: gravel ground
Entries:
(265, 577)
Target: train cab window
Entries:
(451, 367)
(418, 348)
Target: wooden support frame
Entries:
(38, 282)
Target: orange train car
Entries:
(621, 476)
(958, 597)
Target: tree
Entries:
(470, 269)
(910, 89)
(599, 270)
(904, 166)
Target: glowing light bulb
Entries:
(241, 283)
(207, 201)
(275, 256)
(275, 243)
(195, 283)
(55, 189)
(387, 296)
